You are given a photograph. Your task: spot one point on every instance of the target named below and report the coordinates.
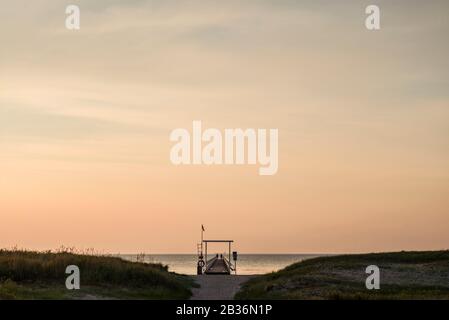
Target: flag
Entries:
(202, 228)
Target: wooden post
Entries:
(202, 231)
(229, 253)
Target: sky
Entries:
(363, 120)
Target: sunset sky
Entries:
(363, 119)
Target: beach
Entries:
(218, 287)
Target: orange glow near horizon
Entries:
(85, 119)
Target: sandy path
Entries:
(217, 287)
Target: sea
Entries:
(247, 264)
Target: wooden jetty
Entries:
(218, 264)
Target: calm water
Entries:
(246, 264)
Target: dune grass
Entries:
(41, 275)
(403, 275)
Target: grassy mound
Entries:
(403, 275)
(41, 275)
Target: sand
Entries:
(218, 287)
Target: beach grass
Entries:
(403, 275)
(41, 275)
